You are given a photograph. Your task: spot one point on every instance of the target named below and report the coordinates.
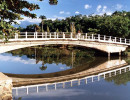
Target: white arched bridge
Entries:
(104, 43)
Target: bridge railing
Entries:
(65, 35)
(71, 83)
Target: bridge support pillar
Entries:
(109, 55)
(119, 54)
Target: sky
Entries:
(67, 8)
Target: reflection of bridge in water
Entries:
(74, 82)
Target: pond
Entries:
(64, 60)
(44, 59)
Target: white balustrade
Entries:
(71, 81)
(86, 37)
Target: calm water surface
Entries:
(102, 90)
(43, 59)
(40, 60)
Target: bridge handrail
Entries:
(92, 77)
(65, 35)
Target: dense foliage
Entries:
(11, 10)
(117, 24)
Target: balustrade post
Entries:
(125, 69)
(79, 82)
(92, 36)
(120, 71)
(71, 83)
(115, 73)
(83, 37)
(54, 34)
(110, 38)
(110, 74)
(63, 84)
(63, 35)
(16, 91)
(27, 90)
(98, 37)
(45, 34)
(26, 35)
(104, 76)
(86, 81)
(37, 89)
(120, 40)
(55, 86)
(92, 78)
(50, 35)
(125, 41)
(115, 39)
(57, 35)
(36, 34)
(104, 37)
(16, 35)
(46, 88)
(98, 77)
(86, 35)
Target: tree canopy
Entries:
(117, 24)
(11, 10)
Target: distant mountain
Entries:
(25, 23)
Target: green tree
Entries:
(48, 30)
(12, 10)
(42, 17)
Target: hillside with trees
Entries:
(117, 24)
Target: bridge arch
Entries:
(104, 43)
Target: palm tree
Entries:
(42, 17)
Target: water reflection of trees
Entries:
(120, 79)
(71, 57)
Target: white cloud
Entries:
(61, 12)
(56, 17)
(107, 12)
(17, 59)
(118, 6)
(104, 8)
(67, 13)
(58, 93)
(99, 8)
(36, 20)
(87, 6)
(77, 12)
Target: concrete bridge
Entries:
(104, 43)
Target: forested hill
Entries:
(117, 24)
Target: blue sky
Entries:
(66, 8)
